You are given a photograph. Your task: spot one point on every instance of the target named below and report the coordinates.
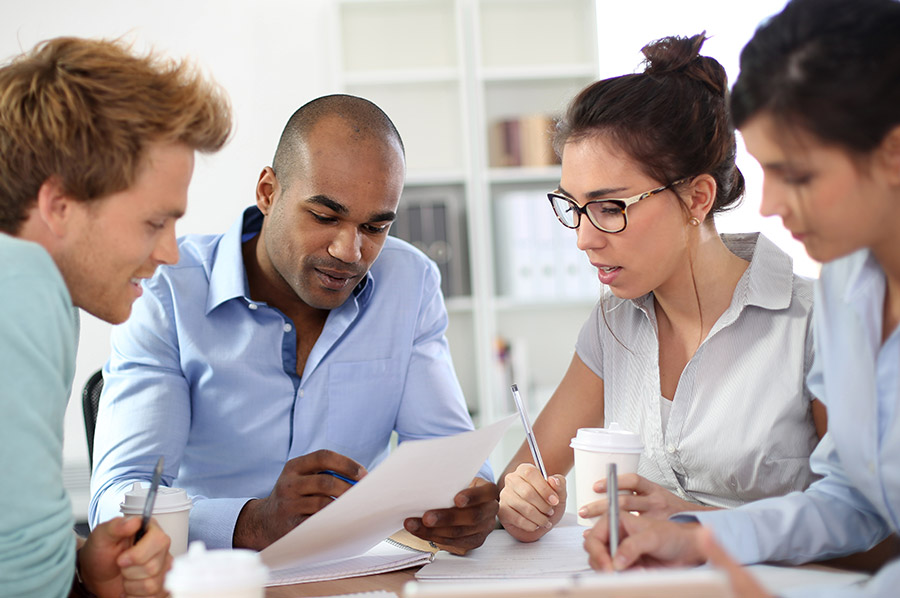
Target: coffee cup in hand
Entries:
(172, 510)
(595, 449)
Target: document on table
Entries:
(776, 578)
(680, 583)
(419, 475)
(556, 565)
(381, 558)
(558, 553)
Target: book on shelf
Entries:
(524, 141)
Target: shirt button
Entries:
(253, 306)
(671, 448)
(301, 393)
(287, 327)
(871, 467)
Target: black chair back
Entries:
(90, 404)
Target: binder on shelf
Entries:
(537, 257)
(434, 220)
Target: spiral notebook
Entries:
(401, 551)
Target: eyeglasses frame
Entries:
(629, 201)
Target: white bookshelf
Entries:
(445, 71)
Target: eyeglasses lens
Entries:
(607, 215)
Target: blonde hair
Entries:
(84, 111)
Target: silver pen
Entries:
(529, 434)
(612, 493)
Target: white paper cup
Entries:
(595, 449)
(202, 573)
(172, 510)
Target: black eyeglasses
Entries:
(608, 215)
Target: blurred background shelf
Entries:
(474, 87)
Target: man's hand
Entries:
(111, 567)
(301, 490)
(644, 497)
(463, 527)
(530, 505)
(644, 542)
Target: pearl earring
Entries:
(694, 221)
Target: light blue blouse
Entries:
(857, 502)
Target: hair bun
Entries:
(681, 55)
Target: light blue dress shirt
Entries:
(38, 340)
(856, 504)
(206, 377)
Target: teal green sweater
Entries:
(38, 341)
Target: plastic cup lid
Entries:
(612, 439)
(200, 570)
(168, 500)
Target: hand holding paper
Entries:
(419, 475)
(464, 526)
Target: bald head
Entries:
(366, 121)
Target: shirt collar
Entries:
(228, 277)
(768, 281)
(863, 272)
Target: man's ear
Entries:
(701, 196)
(54, 206)
(266, 189)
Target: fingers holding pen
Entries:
(530, 505)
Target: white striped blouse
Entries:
(740, 426)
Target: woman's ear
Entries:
(700, 196)
(888, 156)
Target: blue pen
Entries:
(339, 476)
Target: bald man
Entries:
(294, 343)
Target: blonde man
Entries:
(96, 152)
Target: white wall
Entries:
(271, 57)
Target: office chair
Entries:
(90, 403)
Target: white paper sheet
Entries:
(779, 578)
(419, 475)
(501, 556)
(556, 565)
(677, 583)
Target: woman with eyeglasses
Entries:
(818, 104)
(701, 342)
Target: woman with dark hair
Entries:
(818, 104)
(701, 343)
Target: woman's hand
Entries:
(530, 505)
(643, 496)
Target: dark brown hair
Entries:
(672, 119)
(829, 67)
(85, 111)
